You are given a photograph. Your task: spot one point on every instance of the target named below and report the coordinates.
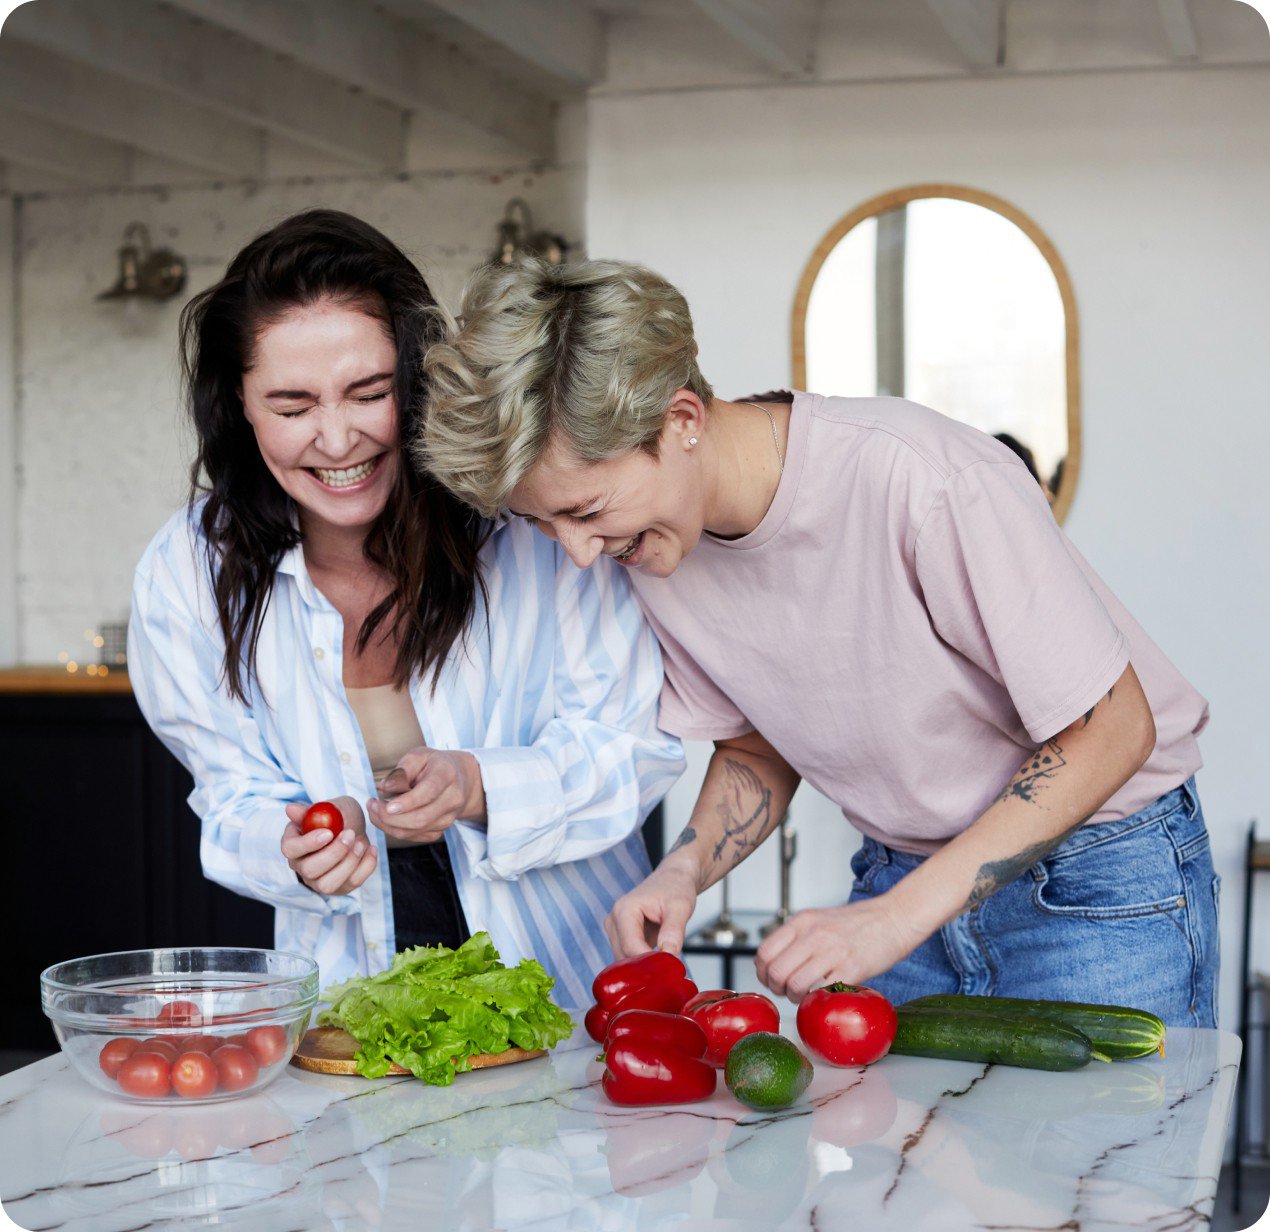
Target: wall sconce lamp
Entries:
(144, 272)
(518, 238)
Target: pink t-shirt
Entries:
(905, 624)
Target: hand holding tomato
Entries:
(850, 944)
(327, 862)
(847, 1024)
(440, 788)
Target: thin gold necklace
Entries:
(776, 440)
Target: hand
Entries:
(851, 943)
(442, 787)
(325, 864)
(655, 914)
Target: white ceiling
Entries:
(115, 92)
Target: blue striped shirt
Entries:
(555, 696)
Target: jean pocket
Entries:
(1134, 874)
(865, 869)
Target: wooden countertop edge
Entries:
(55, 679)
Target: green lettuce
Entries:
(435, 1008)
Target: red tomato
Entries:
(222, 1041)
(236, 1066)
(726, 1016)
(164, 1047)
(199, 1043)
(180, 1014)
(267, 1044)
(323, 816)
(194, 1075)
(846, 1025)
(146, 1074)
(114, 1053)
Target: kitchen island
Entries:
(908, 1144)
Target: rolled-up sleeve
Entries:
(598, 764)
(239, 788)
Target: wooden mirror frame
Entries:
(917, 192)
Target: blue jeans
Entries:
(1121, 913)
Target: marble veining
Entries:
(908, 1144)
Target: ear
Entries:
(685, 420)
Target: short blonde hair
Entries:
(593, 352)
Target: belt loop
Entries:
(1192, 798)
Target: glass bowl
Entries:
(130, 1021)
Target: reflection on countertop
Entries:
(907, 1144)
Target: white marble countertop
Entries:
(910, 1144)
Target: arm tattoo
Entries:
(745, 810)
(997, 873)
(1089, 714)
(689, 835)
(1034, 773)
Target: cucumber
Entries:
(973, 1035)
(1117, 1031)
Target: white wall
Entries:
(102, 447)
(1153, 185)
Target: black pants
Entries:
(425, 901)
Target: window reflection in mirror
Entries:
(954, 299)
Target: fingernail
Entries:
(348, 838)
(392, 808)
(357, 851)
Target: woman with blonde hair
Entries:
(868, 595)
(321, 619)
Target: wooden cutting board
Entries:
(330, 1050)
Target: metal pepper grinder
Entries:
(724, 930)
(789, 849)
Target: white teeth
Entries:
(629, 550)
(342, 479)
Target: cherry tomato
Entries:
(195, 1075)
(180, 1014)
(726, 1016)
(846, 1024)
(146, 1074)
(267, 1044)
(164, 1047)
(222, 1041)
(236, 1066)
(114, 1053)
(323, 816)
(199, 1043)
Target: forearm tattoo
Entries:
(689, 835)
(1033, 777)
(745, 811)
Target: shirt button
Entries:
(345, 758)
(318, 652)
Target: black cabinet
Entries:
(102, 849)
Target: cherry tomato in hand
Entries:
(726, 1016)
(847, 1024)
(147, 1075)
(267, 1044)
(323, 816)
(194, 1075)
(237, 1067)
(114, 1053)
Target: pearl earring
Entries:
(692, 440)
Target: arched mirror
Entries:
(956, 299)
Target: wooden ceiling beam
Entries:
(81, 97)
(390, 59)
(168, 51)
(781, 33)
(29, 141)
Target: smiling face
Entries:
(319, 397)
(645, 512)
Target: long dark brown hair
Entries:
(424, 540)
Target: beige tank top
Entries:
(390, 728)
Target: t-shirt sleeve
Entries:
(692, 706)
(1004, 589)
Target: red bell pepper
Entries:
(638, 1071)
(637, 978)
(673, 1030)
(726, 1016)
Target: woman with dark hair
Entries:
(321, 617)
